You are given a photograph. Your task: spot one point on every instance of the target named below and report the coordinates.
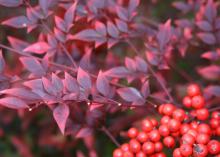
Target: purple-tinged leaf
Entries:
(112, 42)
(86, 35)
(217, 23)
(59, 35)
(118, 72)
(17, 22)
(33, 65)
(211, 55)
(100, 28)
(183, 23)
(11, 3)
(152, 58)
(133, 4)
(44, 4)
(122, 13)
(70, 15)
(71, 96)
(84, 132)
(84, 79)
(210, 11)
(182, 6)
(204, 25)
(2, 62)
(34, 84)
(164, 34)
(112, 30)
(213, 90)
(52, 41)
(102, 84)
(207, 38)
(17, 43)
(85, 61)
(21, 93)
(71, 83)
(13, 102)
(145, 89)
(129, 94)
(211, 72)
(38, 48)
(57, 82)
(141, 64)
(60, 23)
(61, 114)
(130, 64)
(122, 26)
(49, 87)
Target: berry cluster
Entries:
(190, 134)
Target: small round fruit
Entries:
(147, 125)
(135, 146)
(193, 90)
(164, 130)
(188, 139)
(216, 115)
(186, 150)
(159, 155)
(174, 125)
(141, 154)
(158, 147)
(200, 150)
(177, 153)
(148, 148)
(154, 135)
(184, 128)
(179, 115)
(204, 128)
(169, 141)
(198, 102)
(168, 109)
(118, 153)
(165, 120)
(214, 123)
(202, 138)
(187, 101)
(125, 147)
(142, 137)
(202, 114)
(132, 133)
(213, 147)
(128, 154)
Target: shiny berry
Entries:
(186, 150)
(193, 90)
(128, 154)
(202, 114)
(198, 102)
(179, 114)
(216, 115)
(141, 154)
(187, 101)
(154, 135)
(177, 153)
(188, 139)
(118, 153)
(184, 128)
(204, 128)
(154, 122)
(125, 147)
(200, 150)
(142, 137)
(147, 125)
(159, 155)
(169, 141)
(135, 146)
(165, 120)
(213, 147)
(168, 109)
(132, 133)
(164, 130)
(202, 138)
(158, 147)
(174, 125)
(214, 123)
(148, 148)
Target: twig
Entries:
(109, 134)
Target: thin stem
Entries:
(214, 109)
(109, 134)
(153, 73)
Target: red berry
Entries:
(154, 135)
(184, 128)
(216, 115)
(169, 141)
(160, 109)
(147, 125)
(118, 153)
(154, 122)
(194, 125)
(179, 114)
(135, 146)
(200, 150)
(177, 153)
(202, 114)
(125, 147)
(128, 154)
(198, 102)
(148, 148)
(165, 120)
(186, 150)
(142, 137)
(132, 133)
(160, 155)
(164, 130)
(193, 90)
(158, 147)
(192, 132)
(187, 101)
(214, 123)
(202, 138)
(141, 154)
(168, 109)
(188, 139)
(174, 125)
(214, 147)
(204, 128)
(218, 131)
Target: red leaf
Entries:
(61, 114)
(33, 65)
(211, 72)
(11, 3)
(60, 23)
(102, 84)
(213, 90)
(71, 83)
(210, 11)
(100, 28)
(130, 64)
(21, 93)
(86, 35)
(122, 13)
(17, 43)
(59, 35)
(14, 103)
(44, 4)
(129, 94)
(17, 22)
(39, 48)
(211, 55)
(2, 62)
(145, 89)
(141, 64)
(182, 6)
(133, 4)
(49, 87)
(204, 25)
(122, 26)
(70, 14)
(57, 82)
(207, 38)
(84, 79)
(118, 72)
(112, 30)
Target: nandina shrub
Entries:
(101, 65)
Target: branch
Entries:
(109, 134)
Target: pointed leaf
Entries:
(57, 82)
(39, 48)
(211, 72)
(49, 87)
(210, 11)
(145, 89)
(102, 84)
(207, 38)
(70, 14)
(71, 83)
(12, 102)
(2, 62)
(17, 43)
(204, 25)
(86, 35)
(84, 79)
(61, 114)
(100, 28)
(141, 64)
(129, 94)
(118, 72)
(17, 22)
(112, 30)
(11, 3)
